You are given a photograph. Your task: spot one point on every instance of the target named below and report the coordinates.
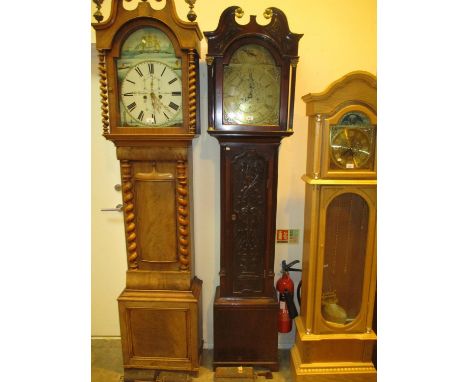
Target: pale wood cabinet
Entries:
(334, 338)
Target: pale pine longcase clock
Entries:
(334, 338)
(251, 79)
(148, 66)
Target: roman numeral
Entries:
(138, 70)
(151, 68)
(128, 94)
(140, 116)
(172, 81)
(130, 81)
(165, 115)
(131, 106)
(163, 71)
(154, 118)
(176, 93)
(174, 106)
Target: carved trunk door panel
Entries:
(248, 194)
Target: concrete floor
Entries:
(106, 364)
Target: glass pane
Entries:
(150, 85)
(352, 142)
(344, 258)
(251, 88)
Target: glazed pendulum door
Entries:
(344, 258)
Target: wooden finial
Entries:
(98, 15)
(268, 13)
(239, 12)
(192, 16)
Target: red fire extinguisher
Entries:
(285, 287)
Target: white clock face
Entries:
(151, 95)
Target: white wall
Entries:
(339, 37)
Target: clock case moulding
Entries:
(160, 309)
(249, 176)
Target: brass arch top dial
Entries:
(251, 88)
(352, 142)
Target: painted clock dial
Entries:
(149, 80)
(251, 88)
(352, 142)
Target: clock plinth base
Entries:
(136, 375)
(245, 332)
(331, 371)
(345, 357)
(151, 375)
(160, 329)
(156, 280)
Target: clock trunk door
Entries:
(345, 259)
(248, 245)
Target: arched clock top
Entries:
(188, 34)
(256, 92)
(161, 39)
(233, 50)
(355, 88)
(276, 32)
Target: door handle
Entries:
(118, 208)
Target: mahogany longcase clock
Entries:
(251, 79)
(335, 339)
(148, 64)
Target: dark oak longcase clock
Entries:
(335, 336)
(251, 79)
(148, 67)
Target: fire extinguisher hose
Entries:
(290, 304)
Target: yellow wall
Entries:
(339, 37)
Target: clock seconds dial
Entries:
(151, 95)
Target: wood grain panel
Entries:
(156, 221)
(159, 332)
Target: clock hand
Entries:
(138, 93)
(166, 92)
(362, 151)
(160, 104)
(347, 137)
(346, 148)
(153, 100)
